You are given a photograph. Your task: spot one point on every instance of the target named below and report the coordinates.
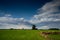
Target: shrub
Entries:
(11, 28)
(53, 29)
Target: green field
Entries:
(25, 35)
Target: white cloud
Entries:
(15, 26)
(7, 22)
(44, 27)
(7, 15)
(50, 12)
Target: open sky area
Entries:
(20, 14)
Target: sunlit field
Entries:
(25, 35)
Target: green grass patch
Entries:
(20, 35)
(26, 35)
(54, 36)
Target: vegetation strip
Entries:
(46, 34)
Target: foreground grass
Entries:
(20, 35)
(26, 35)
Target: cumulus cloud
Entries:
(7, 15)
(44, 27)
(49, 13)
(15, 26)
(7, 22)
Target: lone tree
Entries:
(34, 27)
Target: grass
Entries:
(54, 37)
(24, 35)
(20, 35)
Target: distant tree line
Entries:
(53, 28)
(34, 28)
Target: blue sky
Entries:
(20, 14)
(21, 8)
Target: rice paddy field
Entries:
(26, 35)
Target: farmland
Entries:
(26, 35)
